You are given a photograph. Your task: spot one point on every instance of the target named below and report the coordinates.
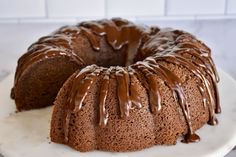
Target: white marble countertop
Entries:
(218, 34)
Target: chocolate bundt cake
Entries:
(118, 86)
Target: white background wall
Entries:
(24, 21)
(20, 11)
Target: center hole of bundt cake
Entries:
(112, 43)
(123, 57)
(107, 56)
(116, 58)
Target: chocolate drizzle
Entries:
(155, 46)
(123, 82)
(103, 113)
(151, 86)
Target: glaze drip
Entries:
(134, 93)
(176, 59)
(76, 96)
(152, 87)
(123, 82)
(103, 113)
(174, 84)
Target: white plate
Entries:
(25, 134)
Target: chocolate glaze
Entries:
(155, 46)
(103, 113)
(123, 82)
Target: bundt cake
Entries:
(118, 86)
